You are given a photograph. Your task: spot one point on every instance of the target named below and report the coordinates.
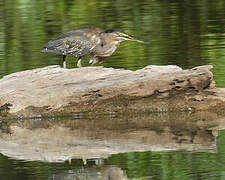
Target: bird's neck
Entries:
(108, 45)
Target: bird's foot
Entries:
(93, 61)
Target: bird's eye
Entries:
(102, 44)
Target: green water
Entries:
(186, 33)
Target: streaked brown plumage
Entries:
(88, 41)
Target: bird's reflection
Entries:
(96, 173)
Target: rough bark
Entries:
(54, 90)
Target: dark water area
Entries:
(186, 33)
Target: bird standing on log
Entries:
(90, 41)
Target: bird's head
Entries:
(122, 36)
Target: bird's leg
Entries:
(79, 62)
(93, 60)
(64, 61)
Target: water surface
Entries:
(185, 146)
(186, 33)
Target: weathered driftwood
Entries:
(55, 90)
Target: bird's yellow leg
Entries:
(64, 61)
(93, 60)
(64, 64)
(79, 62)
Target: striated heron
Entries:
(90, 41)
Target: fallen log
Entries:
(55, 91)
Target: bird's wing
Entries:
(69, 46)
(74, 43)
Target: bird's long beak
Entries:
(131, 38)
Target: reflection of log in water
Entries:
(62, 139)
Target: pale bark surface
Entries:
(55, 90)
